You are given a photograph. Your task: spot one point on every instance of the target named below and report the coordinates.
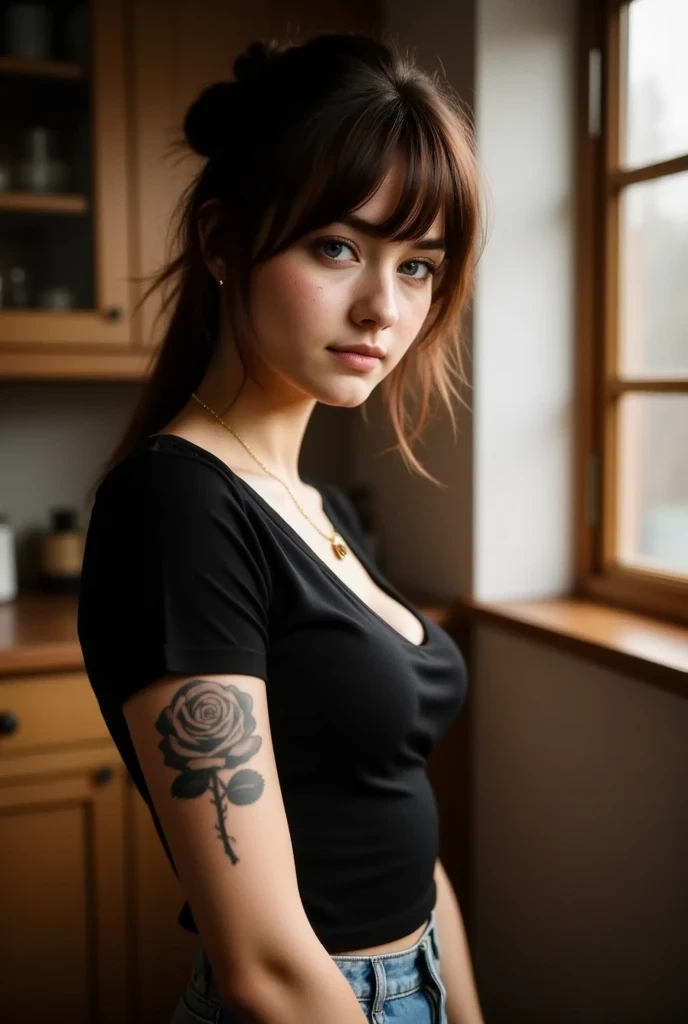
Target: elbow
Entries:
(239, 987)
(257, 995)
(251, 986)
(291, 975)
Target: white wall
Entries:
(53, 439)
(523, 334)
(502, 527)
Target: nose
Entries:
(375, 304)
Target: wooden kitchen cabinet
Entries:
(162, 952)
(89, 901)
(147, 61)
(65, 226)
(63, 907)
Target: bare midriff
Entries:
(395, 946)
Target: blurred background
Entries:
(556, 553)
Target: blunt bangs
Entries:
(357, 158)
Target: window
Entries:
(632, 535)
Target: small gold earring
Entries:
(220, 281)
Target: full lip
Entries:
(364, 350)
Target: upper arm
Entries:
(205, 749)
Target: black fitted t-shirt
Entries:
(187, 569)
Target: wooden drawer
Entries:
(44, 711)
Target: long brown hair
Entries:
(303, 136)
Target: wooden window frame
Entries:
(600, 183)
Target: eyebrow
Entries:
(352, 221)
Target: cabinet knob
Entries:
(114, 314)
(104, 775)
(9, 723)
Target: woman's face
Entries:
(337, 287)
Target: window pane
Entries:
(653, 482)
(657, 81)
(653, 266)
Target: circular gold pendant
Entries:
(339, 547)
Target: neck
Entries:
(271, 422)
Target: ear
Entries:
(209, 217)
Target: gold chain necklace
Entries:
(338, 545)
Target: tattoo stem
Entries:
(221, 812)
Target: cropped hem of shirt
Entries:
(376, 933)
(369, 933)
(187, 569)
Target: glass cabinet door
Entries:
(63, 190)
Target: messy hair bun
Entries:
(203, 124)
(257, 60)
(206, 121)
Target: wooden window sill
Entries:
(651, 650)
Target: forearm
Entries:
(287, 993)
(456, 971)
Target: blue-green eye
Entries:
(428, 264)
(332, 243)
(338, 243)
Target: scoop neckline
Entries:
(282, 523)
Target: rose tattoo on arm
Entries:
(206, 729)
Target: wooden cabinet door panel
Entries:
(163, 951)
(63, 898)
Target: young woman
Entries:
(273, 696)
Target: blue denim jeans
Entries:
(391, 988)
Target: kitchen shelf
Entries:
(44, 202)
(41, 68)
(39, 363)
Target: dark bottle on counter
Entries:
(62, 553)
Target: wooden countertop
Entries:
(38, 632)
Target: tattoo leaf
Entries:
(190, 784)
(245, 787)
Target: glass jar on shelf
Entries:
(28, 31)
(18, 291)
(41, 169)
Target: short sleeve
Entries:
(174, 576)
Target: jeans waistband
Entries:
(379, 976)
(375, 976)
